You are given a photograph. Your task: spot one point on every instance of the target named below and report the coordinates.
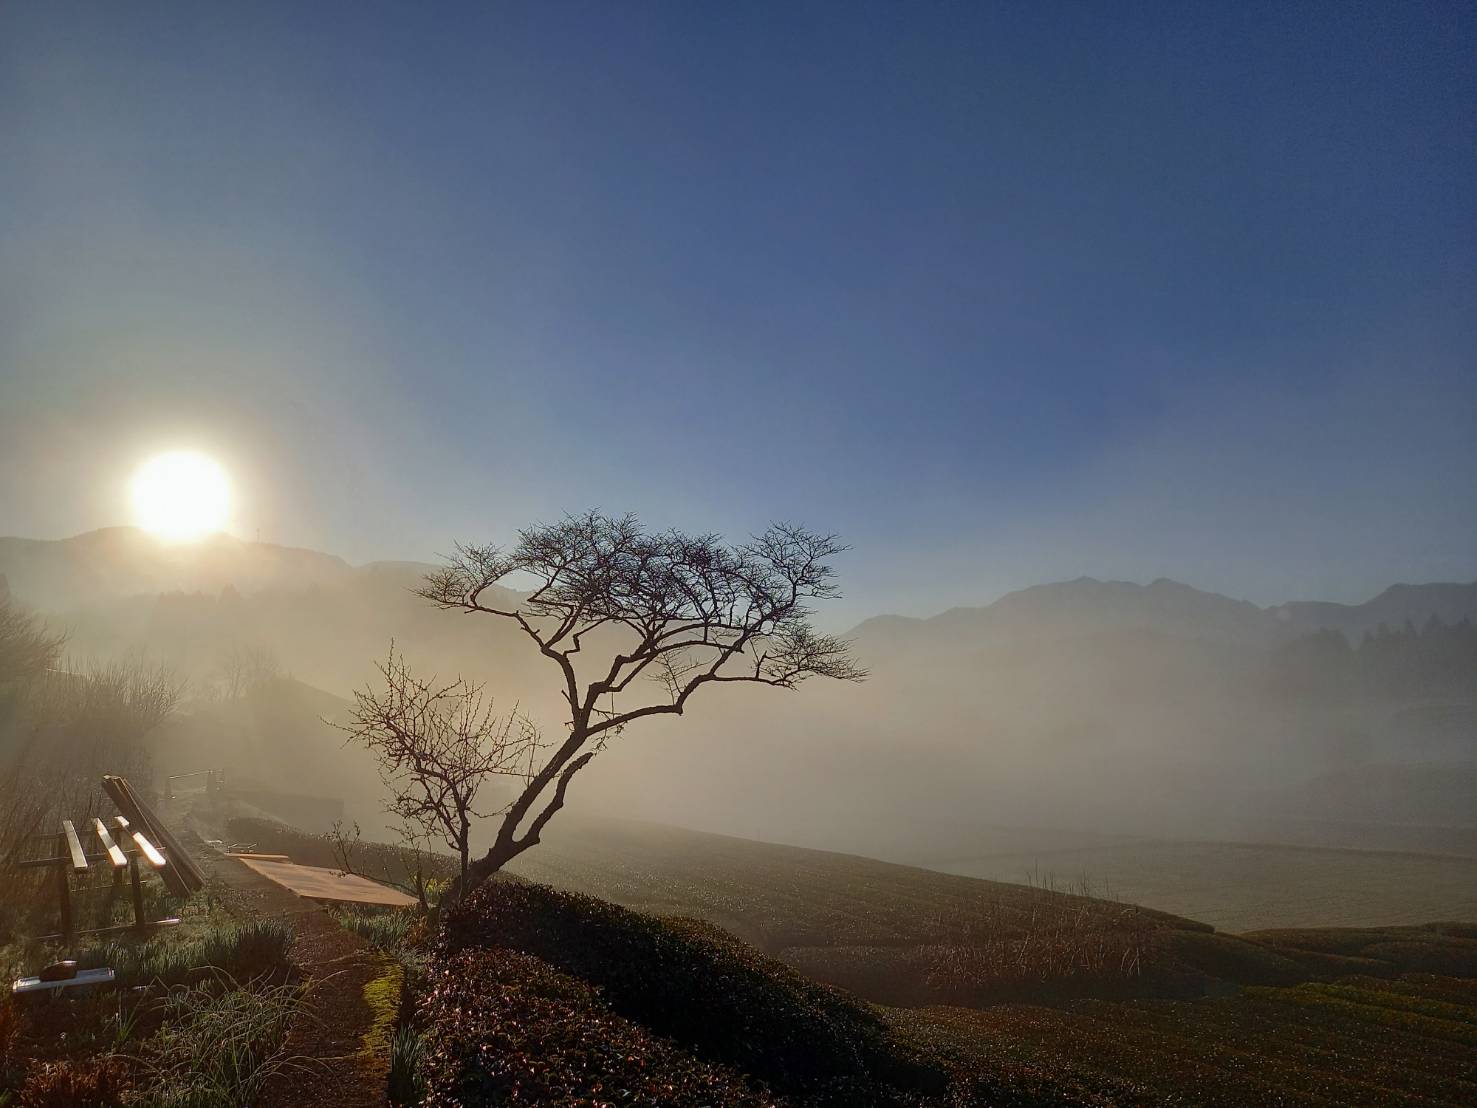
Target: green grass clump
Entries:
(243, 949)
(218, 1043)
(386, 930)
(406, 1087)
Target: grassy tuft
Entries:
(384, 930)
(406, 1086)
(219, 1042)
(245, 949)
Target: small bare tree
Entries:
(411, 855)
(245, 669)
(437, 746)
(27, 648)
(680, 610)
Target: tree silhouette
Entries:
(619, 611)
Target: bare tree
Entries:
(411, 855)
(27, 648)
(674, 611)
(74, 724)
(245, 669)
(437, 746)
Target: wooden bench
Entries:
(131, 850)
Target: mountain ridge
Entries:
(116, 562)
(1449, 602)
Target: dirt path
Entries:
(338, 1071)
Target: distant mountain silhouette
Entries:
(121, 562)
(1088, 606)
(116, 562)
(1081, 607)
(1449, 603)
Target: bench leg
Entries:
(138, 893)
(64, 892)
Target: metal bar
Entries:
(115, 929)
(114, 854)
(74, 845)
(37, 863)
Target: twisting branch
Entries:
(672, 611)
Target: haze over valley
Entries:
(1072, 728)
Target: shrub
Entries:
(694, 983)
(507, 1028)
(1228, 958)
(9, 1025)
(91, 1083)
(1453, 957)
(1069, 940)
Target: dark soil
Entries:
(332, 1069)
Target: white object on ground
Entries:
(102, 976)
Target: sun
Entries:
(181, 496)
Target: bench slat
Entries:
(74, 844)
(115, 855)
(148, 850)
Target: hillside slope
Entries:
(558, 999)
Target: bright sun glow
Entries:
(181, 496)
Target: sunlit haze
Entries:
(851, 474)
(181, 496)
(1183, 291)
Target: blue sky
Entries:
(1002, 293)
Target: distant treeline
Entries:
(1435, 660)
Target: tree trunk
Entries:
(508, 846)
(480, 870)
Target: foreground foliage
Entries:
(712, 1000)
(198, 1018)
(509, 1028)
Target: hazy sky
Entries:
(1002, 293)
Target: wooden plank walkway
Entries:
(318, 883)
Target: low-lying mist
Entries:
(1090, 708)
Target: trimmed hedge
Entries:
(507, 1028)
(691, 982)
